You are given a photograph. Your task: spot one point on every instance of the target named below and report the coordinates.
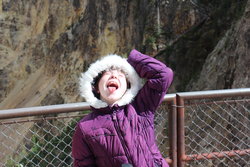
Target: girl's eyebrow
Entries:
(116, 68)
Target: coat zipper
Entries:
(117, 127)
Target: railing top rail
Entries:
(169, 97)
(72, 107)
(43, 110)
(214, 93)
(53, 109)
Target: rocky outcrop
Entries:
(51, 43)
(227, 66)
(45, 45)
(215, 43)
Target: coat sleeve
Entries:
(158, 79)
(82, 156)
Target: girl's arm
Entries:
(159, 77)
(82, 156)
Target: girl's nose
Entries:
(113, 76)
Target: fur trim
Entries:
(107, 62)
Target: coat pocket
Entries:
(105, 143)
(101, 136)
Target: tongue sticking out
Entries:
(112, 89)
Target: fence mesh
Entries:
(39, 141)
(217, 125)
(46, 141)
(161, 129)
(212, 126)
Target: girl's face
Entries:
(112, 86)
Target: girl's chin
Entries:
(112, 100)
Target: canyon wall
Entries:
(45, 45)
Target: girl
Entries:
(120, 130)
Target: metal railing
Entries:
(206, 128)
(213, 128)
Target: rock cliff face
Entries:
(45, 45)
(227, 66)
(211, 54)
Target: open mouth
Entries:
(112, 86)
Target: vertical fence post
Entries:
(172, 124)
(180, 131)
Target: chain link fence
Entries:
(37, 141)
(216, 133)
(45, 141)
(161, 129)
(217, 128)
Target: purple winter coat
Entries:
(124, 134)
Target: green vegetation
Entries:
(51, 150)
(48, 144)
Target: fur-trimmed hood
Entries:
(87, 79)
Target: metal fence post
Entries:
(180, 131)
(172, 124)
